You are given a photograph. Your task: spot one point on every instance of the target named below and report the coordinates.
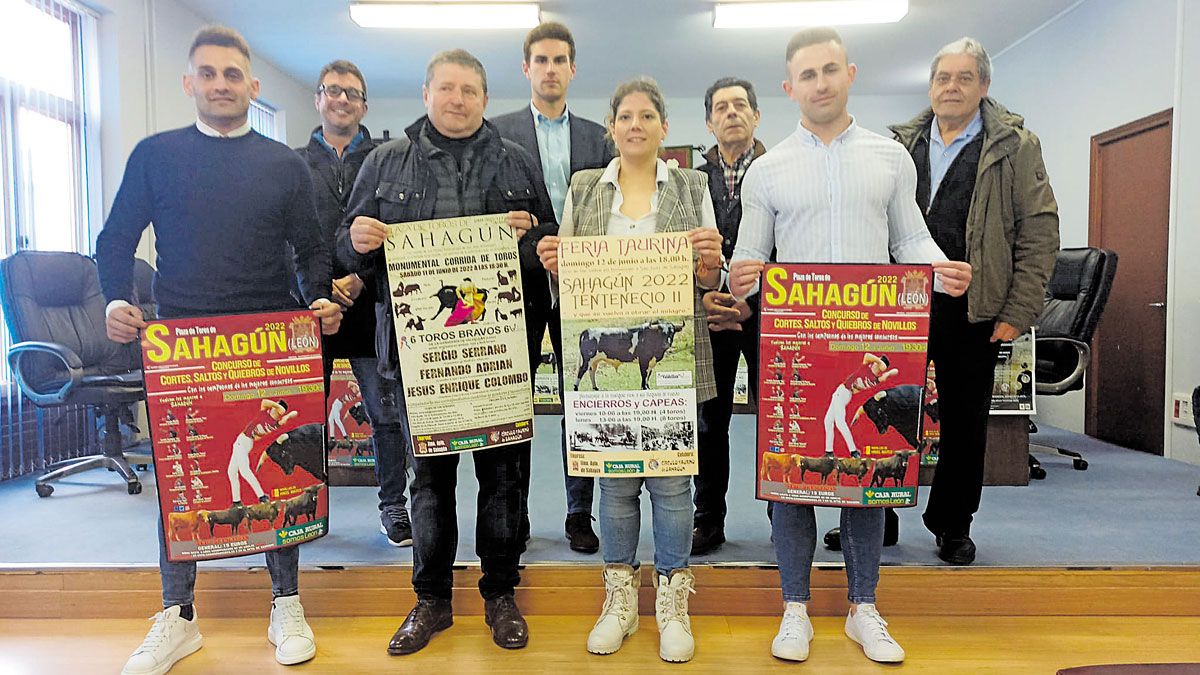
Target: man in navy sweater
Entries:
(226, 203)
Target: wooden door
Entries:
(1129, 210)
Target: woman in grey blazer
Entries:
(637, 193)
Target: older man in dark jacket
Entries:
(983, 188)
(451, 163)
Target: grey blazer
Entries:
(679, 206)
(590, 147)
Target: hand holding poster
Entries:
(460, 333)
(842, 374)
(235, 405)
(628, 337)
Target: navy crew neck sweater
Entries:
(224, 211)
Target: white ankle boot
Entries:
(675, 641)
(619, 618)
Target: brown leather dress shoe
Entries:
(428, 617)
(509, 629)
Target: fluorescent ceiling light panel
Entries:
(449, 15)
(810, 13)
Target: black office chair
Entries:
(55, 312)
(1075, 299)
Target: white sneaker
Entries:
(170, 638)
(619, 618)
(289, 632)
(795, 634)
(868, 629)
(675, 641)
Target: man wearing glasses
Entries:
(334, 154)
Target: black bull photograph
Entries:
(647, 344)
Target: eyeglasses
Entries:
(333, 91)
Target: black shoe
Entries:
(891, 532)
(706, 538)
(956, 550)
(509, 629)
(427, 618)
(393, 521)
(580, 534)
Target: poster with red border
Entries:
(349, 429)
(236, 413)
(843, 352)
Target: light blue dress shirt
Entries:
(942, 156)
(554, 146)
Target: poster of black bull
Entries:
(236, 413)
(629, 355)
(841, 382)
(349, 429)
(459, 318)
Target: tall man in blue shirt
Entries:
(226, 203)
(335, 152)
(983, 189)
(832, 192)
(561, 144)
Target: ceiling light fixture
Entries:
(448, 15)
(809, 13)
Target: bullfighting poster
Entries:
(459, 323)
(236, 413)
(629, 357)
(931, 429)
(1012, 388)
(349, 430)
(841, 383)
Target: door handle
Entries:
(1157, 305)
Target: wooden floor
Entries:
(725, 645)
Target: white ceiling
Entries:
(671, 40)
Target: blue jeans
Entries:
(794, 528)
(497, 521)
(384, 402)
(621, 520)
(179, 578)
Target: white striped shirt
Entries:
(852, 201)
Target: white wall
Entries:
(1183, 292)
(685, 116)
(1105, 63)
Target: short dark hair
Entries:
(724, 83)
(812, 36)
(885, 359)
(282, 404)
(550, 30)
(459, 57)
(219, 36)
(343, 67)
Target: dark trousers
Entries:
(497, 518)
(965, 361)
(580, 490)
(712, 482)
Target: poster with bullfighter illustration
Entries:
(348, 427)
(843, 354)
(236, 413)
(459, 318)
(629, 357)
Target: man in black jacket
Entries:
(731, 112)
(334, 154)
(561, 144)
(451, 163)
